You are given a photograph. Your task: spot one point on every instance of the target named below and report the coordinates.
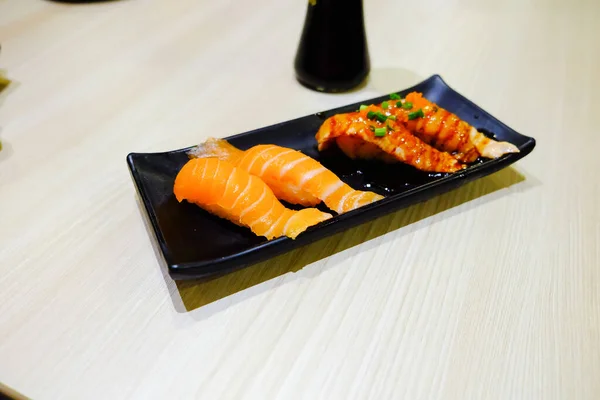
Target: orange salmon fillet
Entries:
(354, 134)
(292, 175)
(232, 193)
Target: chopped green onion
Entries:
(377, 115)
(408, 105)
(392, 117)
(363, 107)
(385, 105)
(399, 104)
(390, 127)
(381, 117)
(416, 114)
(380, 131)
(372, 128)
(394, 96)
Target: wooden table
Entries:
(490, 291)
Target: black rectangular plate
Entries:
(198, 245)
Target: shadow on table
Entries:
(387, 80)
(4, 81)
(189, 295)
(6, 86)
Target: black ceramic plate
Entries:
(196, 244)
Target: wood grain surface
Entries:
(490, 291)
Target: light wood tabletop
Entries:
(489, 291)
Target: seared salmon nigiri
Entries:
(232, 193)
(367, 134)
(444, 130)
(293, 176)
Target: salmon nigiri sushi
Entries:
(443, 129)
(292, 175)
(386, 140)
(232, 193)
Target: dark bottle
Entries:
(82, 1)
(333, 55)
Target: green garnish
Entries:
(381, 117)
(399, 104)
(380, 131)
(408, 105)
(394, 96)
(416, 114)
(385, 105)
(392, 117)
(363, 107)
(376, 115)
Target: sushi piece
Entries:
(293, 176)
(232, 193)
(380, 137)
(444, 130)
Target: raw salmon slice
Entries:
(232, 193)
(292, 175)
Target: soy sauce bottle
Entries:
(333, 55)
(82, 1)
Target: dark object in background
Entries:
(82, 1)
(333, 54)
